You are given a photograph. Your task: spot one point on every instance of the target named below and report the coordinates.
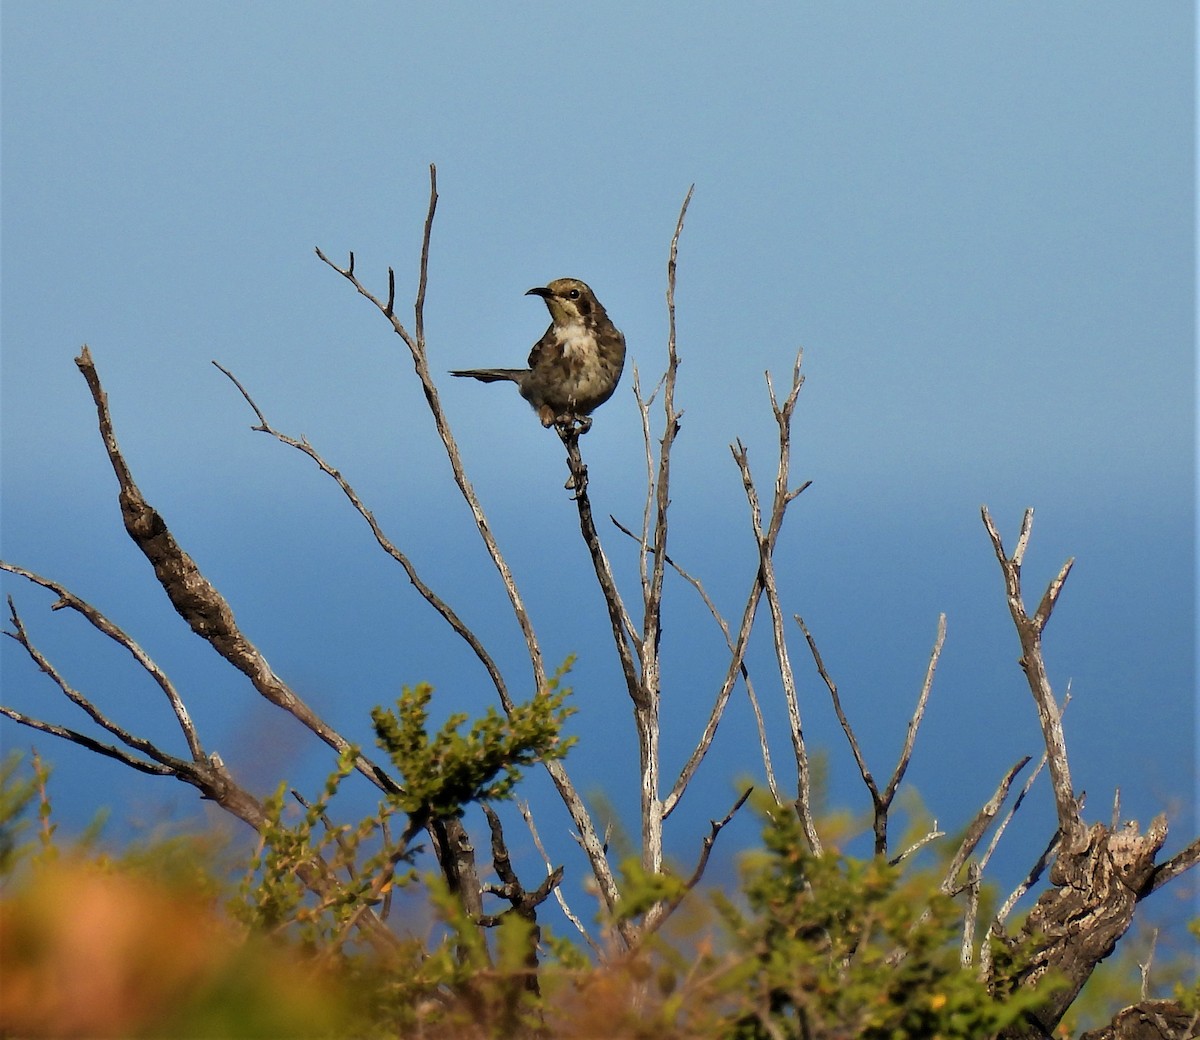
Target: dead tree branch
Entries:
(206, 773)
(67, 599)
(1029, 632)
(766, 547)
(589, 839)
(426, 592)
(702, 592)
(1099, 873)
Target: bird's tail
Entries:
(493, 375)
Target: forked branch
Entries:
(1029, 632)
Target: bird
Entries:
(576, 366)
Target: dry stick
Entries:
(1029, 632)
(1169, 869)
(967, 947)
(1145, 968)
(208, 775)
(978, 827)
(618, 616)
(122, 756)
(643, 405)
(782, 499)
(917, 845)
(914, 722)
(510, 887)
(385, 543)
(706, 847)
(767, 572)
(589, 839)
(643, 697)
(68, 599)
(745, 672)
(647, 712)
(881, 801)
(146, 747)
(195, 599)
(527, 816)
(1018, 801)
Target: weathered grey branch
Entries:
(527, 816)
(67, 599)
(706, 847)
(589, 839)
(194, 598)
(783, 497)
(1029, 632)
(766, 568)
(426, 592)
(695, 582)
(978, 828)
(107, 750)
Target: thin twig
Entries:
(527, 816)
(1029, 632)
(978, 827)
(68, 599)
(142, 766)
(655, 921)
(702, 592)
(917, 845)
(783, 497)
(770, 589)
(385, 543)
(146, 747)
(589, 839)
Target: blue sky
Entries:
(977, 220)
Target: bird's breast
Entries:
(578, 344)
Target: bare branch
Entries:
(783, 498)
(971, 917)
(590, 841)
(525, 903)
(767, 576)
(917, 845)
(527, 816)
(1031, 879)
(978, 827)
(97, 716)
(195, 599)
(1170, 869)
(655, 921)
(1029, 632)
(863, 769)
(385, 543)
(914, 722)
(745, 672)
(1144, 967)
(622, 626)
(142, 766)
(68, 599)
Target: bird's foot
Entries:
(574, 424)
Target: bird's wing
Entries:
(545, 350)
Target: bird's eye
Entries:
(573, 294)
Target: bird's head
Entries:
(569, 301)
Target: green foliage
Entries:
(819, 948)
(833, 946)
(17, 795)
(641, 890)
(448, 770)
(358, 863)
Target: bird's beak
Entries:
(541, 291)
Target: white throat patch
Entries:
(577, 341)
